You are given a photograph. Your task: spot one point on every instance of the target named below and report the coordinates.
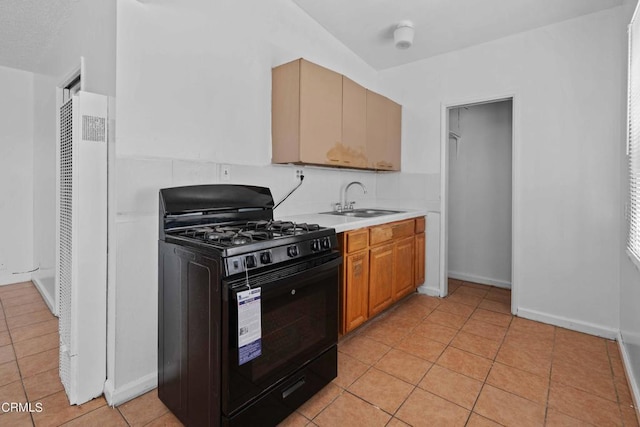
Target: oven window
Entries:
(291, 326)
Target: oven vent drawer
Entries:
(290, 394)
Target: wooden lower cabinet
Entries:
(420, 243)
(403, 274)
(380, 278)
(355, 300)
(382, 264)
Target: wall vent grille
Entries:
(93, 129)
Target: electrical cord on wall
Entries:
(290, 192)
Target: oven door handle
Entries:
(268, 279)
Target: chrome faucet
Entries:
(348, 206)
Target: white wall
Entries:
(194, 93)
(89, 32)
(479, 199)
(629, 273)
(566, 79)
(16, 174)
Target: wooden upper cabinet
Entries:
(352, 151)
(384, 123)
(321, 117)
(306, 119)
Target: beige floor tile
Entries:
(445, 318)
(404, 366)
(364, 349)
(498, 297)
(476, 344)
(535, 330)
(8, 288)
(9, 372)
(452, 386)
(586, 380)
(622, 389)
(348, 410)
(57, 410)
(16, 419)
(3, 324)
(465, 363)
(143, 409)
(491, 317)
(477, 285)
(43, 384)
(38, 363)
(35, 330)
(584, 406)
(349, 370)
(556, 418)
(485, 330)
(103, 417)
(321, 400)
(6, 354)
(29, 319)
(617, 367)
(166, 420)
(476, 420)
(468, 290)
(521, 383)
(294, 420)
(36, 345)
(18, 310)
(20, 292)
(435, 332)
(538, 363)
(629, 416)
(5, 338)
(12, 392)
(381, 389)
(397, 423)
(384, 333)
(456, 308)
(21, 300)
(523, 340)
(498, 307)
(462, 298)
(509, 409)
(426, 409)
(401, 321)
(422, 347)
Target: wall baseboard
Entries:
(632, 381)
(130, 390)
(48, 299)
(574, 325)
(479, 279)
(432, 292)
(10, 279)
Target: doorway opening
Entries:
(477, 169)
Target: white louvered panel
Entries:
(65, 263)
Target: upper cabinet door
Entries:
(320, 112)
(353, 152)
(384, 119)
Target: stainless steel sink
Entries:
(363, 213)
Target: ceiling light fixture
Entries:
(403, 35)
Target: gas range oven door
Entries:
(299, 316)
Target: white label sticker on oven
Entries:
(249, 325)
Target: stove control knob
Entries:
(250, 261)
(292, 251)
(265, 258)
(326, 243)
(315, 245)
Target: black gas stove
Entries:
(219, 250)
(255, 244)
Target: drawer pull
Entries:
(293, 388)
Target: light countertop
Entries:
(346, 223)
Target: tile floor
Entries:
(462, 360)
